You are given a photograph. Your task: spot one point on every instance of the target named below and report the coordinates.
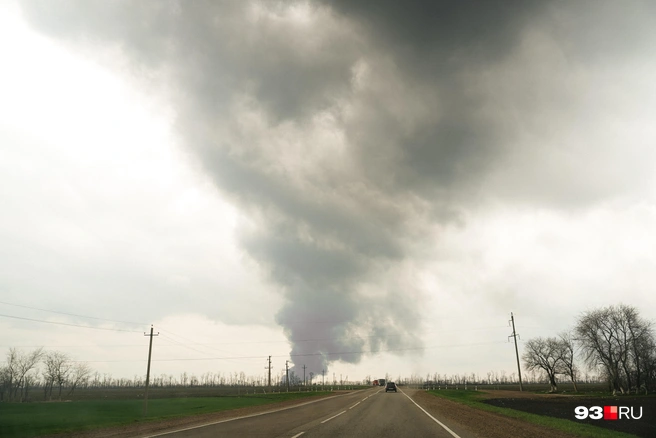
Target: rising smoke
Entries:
(347, 135)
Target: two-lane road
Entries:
(369, 413)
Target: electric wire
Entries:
(72, 314)
(191, 359)
(68, 324)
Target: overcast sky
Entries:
(356, 189)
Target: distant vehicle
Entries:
(391, 386)
(381, 382)
(376, 383)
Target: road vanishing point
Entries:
(367, 413)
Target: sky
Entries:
(363, 191)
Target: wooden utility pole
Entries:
(303, 375)
(150, 351)
(269, 368)
(287, 373)
(514, 336)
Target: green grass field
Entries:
(473, 399)
(37, 419)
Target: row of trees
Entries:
(614, 341)
(490, 378)
(54, 371)
(21, 373)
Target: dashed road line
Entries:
(212, 423)
(335, 416)
(298, 434)
(354, 405)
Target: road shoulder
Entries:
(469, 422)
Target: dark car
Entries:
(391, 386)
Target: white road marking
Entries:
(455, 435)
(298, 434)
(335, 416)
(242, 417)
(354, 405)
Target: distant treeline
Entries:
(612, 345)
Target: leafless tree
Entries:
(640, 338)
(544, 354)
(58, 366)
(20, 365)
(567, 354)
(616, 339)
(79, 375)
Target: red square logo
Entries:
(610, 412)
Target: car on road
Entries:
(391, 386)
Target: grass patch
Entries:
(473, 399)
(36, 419)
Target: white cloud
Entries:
(102, 214)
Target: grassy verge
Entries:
(473, 399)
(36, 419)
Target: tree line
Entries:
(614, 341)
(57, 374)
(21, 373)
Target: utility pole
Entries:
(150, 350)
(514, 336)
(269, 368)
(287, 371)
(323, 377)
(304, 375)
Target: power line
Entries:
(67, 324)
(340, 337)
(192, 359)
(187, 344)
(340, 352)
(189, 341)
(72, 314)
(181, 344)
(191, 348)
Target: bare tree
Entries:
(58, 368)
(567, 354)
(597, 337)
(24, 363)
(79, 374)
(616, 339)
(641, 344)
(9, 373)
(544, 354)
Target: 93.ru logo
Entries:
(606, 413)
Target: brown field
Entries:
(562, 406)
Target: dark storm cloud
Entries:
(345, 130)
(434, 45)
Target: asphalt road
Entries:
(369, 413)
